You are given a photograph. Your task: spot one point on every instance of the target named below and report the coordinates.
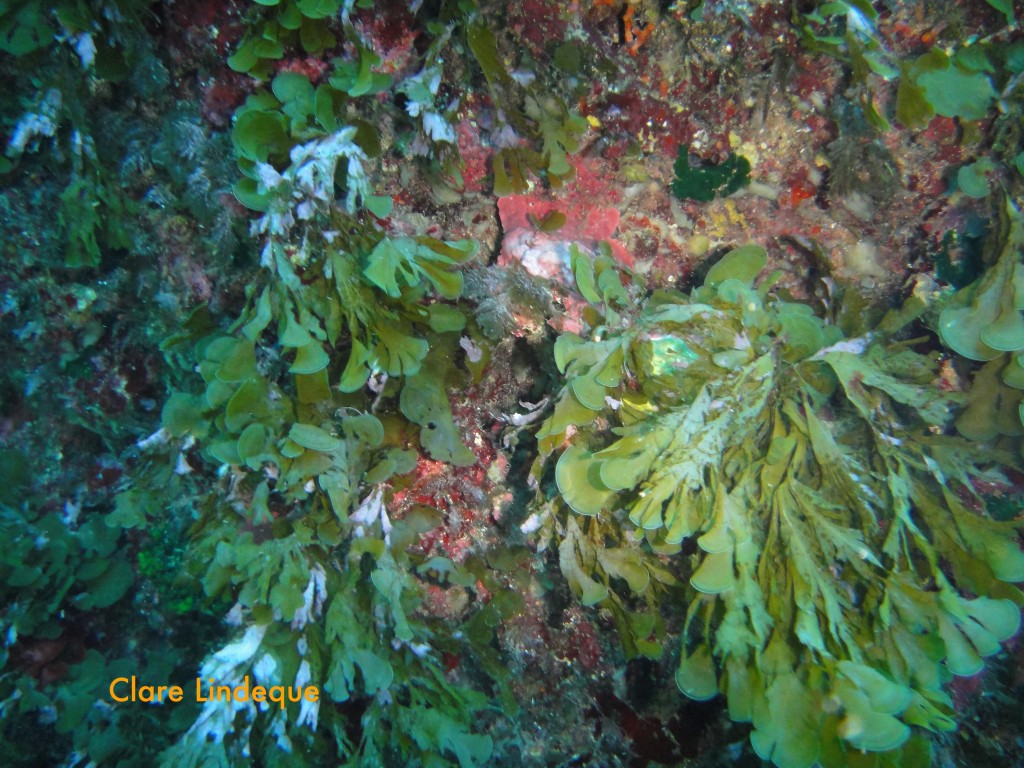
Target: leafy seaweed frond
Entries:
(982, 321)
(844, 565)
(324, 588)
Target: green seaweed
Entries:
(937, 84)
(983, 322)
(341, 318)
(552, 130)
(705, 183)
(305, 24)
(829, 511)
(57, 53)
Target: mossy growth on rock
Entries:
(844, 567)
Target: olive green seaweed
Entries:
(983, 321)
(341, 318)
(845, 568)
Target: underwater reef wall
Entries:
(392, 384)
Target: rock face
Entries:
(340, 444)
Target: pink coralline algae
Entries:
(547, 254)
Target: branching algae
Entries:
(302, 541)
(841, 564)
(323, 584)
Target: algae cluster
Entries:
(766, 495)
(844, 566)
